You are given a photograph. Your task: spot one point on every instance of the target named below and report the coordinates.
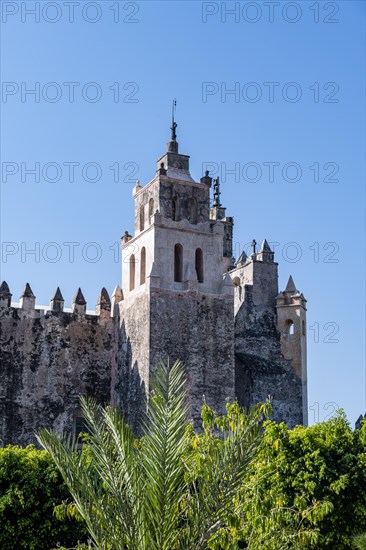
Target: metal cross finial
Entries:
(174, 124)
(254, 244)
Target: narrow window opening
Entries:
(236, 282)
(143, 266)
(192, 211)
(199, 265)
(142, 218)
(175, 209)
(151, 209)
(178, 263)
(132, 271)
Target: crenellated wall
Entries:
(48, 359)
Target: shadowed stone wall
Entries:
(198, 329)
(260, 368)
(48, 361)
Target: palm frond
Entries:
(225, 464)
(97, 477)
(156, 494)
(163, 444)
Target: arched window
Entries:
(143, 266)
(151, 209)
(236, 283)
(290, 327)
(132, 271)
(175, 209)
(199, 265)
(178, 263)
(142, 217)
(192, 210)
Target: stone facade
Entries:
(184, 297)
(48, 359)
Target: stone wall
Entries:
(48, 360)
(198, 329)
(133, 356)
(260, 368)
(168, 189)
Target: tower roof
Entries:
(57, 295)
(4, 289)
(27, 292)
(290, 287)
(79, 298)
(117, 294)
(265, 246)
(242, 258)
(104, 300)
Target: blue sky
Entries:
(292, 130)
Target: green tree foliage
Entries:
(360, 542)
(242, 482)
(248, 520)
(315, 474)
(154, 493)
(217, 462)
(30, 486)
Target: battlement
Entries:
(50, 355)
(257, 274)
(104, 308)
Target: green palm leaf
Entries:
(163, 445)
(155, 493)
(127, 491)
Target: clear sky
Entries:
(288, 143)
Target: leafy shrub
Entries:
(30, 487)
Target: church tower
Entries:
(270, 341)
(291, 319)
(178, 300)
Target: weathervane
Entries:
(174, 124)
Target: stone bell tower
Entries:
(291, 322)
(177, 301)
